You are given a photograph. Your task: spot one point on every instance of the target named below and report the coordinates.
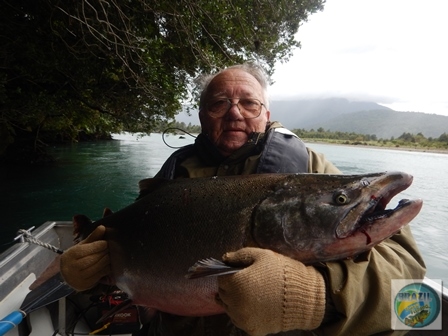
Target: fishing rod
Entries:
(175, 128)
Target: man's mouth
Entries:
(234, 130)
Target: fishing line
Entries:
(175, 128)
(7, 244)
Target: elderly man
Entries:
(275, 293)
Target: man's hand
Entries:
(275, 293)
(83, 265)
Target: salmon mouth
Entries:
(379, 211)
(378, 223)
(377, 207)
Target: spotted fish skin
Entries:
(308, 217)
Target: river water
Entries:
(91, 176)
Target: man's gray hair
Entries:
(251, 68)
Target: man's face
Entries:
(232, 130)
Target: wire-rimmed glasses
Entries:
(249, 107)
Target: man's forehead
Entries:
(224, 93)
(230, 80)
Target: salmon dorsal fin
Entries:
(146, 186)
(82, 227)
(107, 212)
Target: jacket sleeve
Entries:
(318, 164)
(360, 289)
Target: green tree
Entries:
(94, 67)
(443, 138)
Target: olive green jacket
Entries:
(358, 290)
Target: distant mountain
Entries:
(386, 124)
(308, 113)
(339, 114)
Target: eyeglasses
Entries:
(248, 107)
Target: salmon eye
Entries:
(341, 198)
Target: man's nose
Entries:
(234, 111)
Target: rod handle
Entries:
(10, 321)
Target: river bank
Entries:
(398, 148)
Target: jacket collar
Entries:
(210, 155)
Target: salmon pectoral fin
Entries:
(210, 267)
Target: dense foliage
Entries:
(95, 67)
(407, 140)
(177, 128)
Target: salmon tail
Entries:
(148, 185)
(210, 267)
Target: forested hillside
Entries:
(387, 123)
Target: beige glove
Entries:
(83, 265)
(274, 294)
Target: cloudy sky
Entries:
(393, 52)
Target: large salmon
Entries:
(309, 217)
